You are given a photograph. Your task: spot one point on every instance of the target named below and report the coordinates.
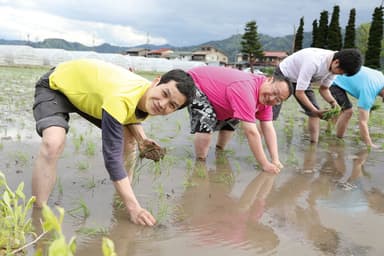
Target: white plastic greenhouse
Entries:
(28, 56)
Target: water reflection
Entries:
(216, 217)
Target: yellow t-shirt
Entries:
(92, 85)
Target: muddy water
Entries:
(328, 200)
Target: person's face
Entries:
(273, 93)
(163, 99)
(334, 68)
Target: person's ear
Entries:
(155, 81)
(336, 62)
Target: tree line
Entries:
(327, 35)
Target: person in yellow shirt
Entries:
(114, 99)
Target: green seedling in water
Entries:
(332, 113)
(161, 204)
(14, 222)
(82, 165)
(90, 148)
(77, 141)
(375, 107)
(95, 231)
(81, 211)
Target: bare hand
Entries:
(278, 164)
(271, 168)
(374, 146)
(141, 216)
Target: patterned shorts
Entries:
(203, 117)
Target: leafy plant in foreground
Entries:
(14, 222)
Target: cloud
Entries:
(37, 25)
(177, 22)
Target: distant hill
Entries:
(230, 46)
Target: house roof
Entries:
(279, 54)
(161, 50)
(135, 49)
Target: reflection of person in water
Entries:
(219, 217)
(337, 164)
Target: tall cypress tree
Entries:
(350, 32)
(334, 31)
(323, 30)
(250, 43)
(299, 36)
(372, 57)
(315, 34)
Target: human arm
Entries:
(113, 146)
(254, 141)
(137, 214)
(271, 140)
(302, 97)
(148, 147)
(327, 96)
(363, 126)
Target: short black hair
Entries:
(184, 83)
(350, 60)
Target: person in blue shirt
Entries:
(365, 86)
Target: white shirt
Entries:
(308, 65)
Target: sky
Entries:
(176, 22)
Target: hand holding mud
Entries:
(151, 150)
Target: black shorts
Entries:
(203, 116)
(340, 96)
(52, 108)
(308, 92)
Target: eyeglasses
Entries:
(276, 94)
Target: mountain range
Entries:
(230, 46)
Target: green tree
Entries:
(315, 34)
(323, 30)
(334, 31)
(250, 43)
(299, 36)
(350, 33)
(362, 34)
(372, 57)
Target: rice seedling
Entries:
(162, 205)
(92, 231)
(80, 211)
(82, 165)
(78, 141)
(375, 106)
(332, 113)
(21, 158)
(90, 148)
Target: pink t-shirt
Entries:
(232, 93)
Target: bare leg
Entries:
(130, 147)
(342, 122)
(44, 172)
(202, 142)
(314, 128)
(223, 138)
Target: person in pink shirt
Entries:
(228, 96)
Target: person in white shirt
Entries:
(311, 65)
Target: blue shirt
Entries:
(364, 86)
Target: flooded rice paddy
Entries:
(328, 200)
